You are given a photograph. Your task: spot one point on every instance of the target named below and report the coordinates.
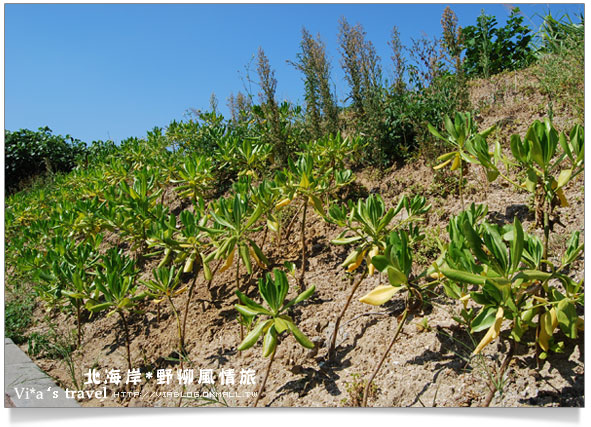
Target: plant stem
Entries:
(178, 326)
(127, 344)
(460, 183)
(303, 231)
(331, 349)
(546, 238)
(237, 287)
(504, 367)
(375, 372)
(288, 229)
(79, 325)
(186, 314)
(262, 387)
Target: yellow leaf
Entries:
(456, 163)
(256, 258)
(580, 324)
(283, 203)
(441, 165)
(380, 295)
(562, 198)
(357, 262)
(305, 182)
(373, 252)
(548, 322)
(465, 298)
(229, 261)
(492, 332)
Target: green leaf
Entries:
(474, 241)
(299, 335)
(253, 336)
(380, 262)
(345, 240)
(531, 275)
(251, 304)
(317, 203)
(280, 325)
(206, 270)
(395, 276)
(484, 319)
(435, 132)
(566, 313)
(270, 341)
(301, 297)
(245, 255)
(247, 311)
(516, 244)
(259, 253)
(463, 276)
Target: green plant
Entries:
(18, 315)
(490, 50)
(196, 177)
(468, 143)
(303, 180)
(369, 223)
(547, 169)
(273, 291)
(507, 267)
(560, 65)
(396, 262)
(29, 153)
(234, 218)
(165, 285)
(116, 282)
(133, 208)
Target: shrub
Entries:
(29, 153)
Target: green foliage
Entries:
(18, 314)
(28, 153)
(470, 146)
(273, 291)
(490, 50)
(560, 65)
(504, 264)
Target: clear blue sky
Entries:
(115, 71)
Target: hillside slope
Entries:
(428, 366)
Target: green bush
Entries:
(490, 50)
(28, 154)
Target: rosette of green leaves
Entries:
(460, 135)
(116, 282)
(546, 167)
(234, 219)
(396, 264)
(195, 177)
(469, 145)
(273, 291)
(367, 224)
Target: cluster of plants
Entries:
(208, 196)
(509, 281)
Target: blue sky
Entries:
(115, 71)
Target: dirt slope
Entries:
(427, 366)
